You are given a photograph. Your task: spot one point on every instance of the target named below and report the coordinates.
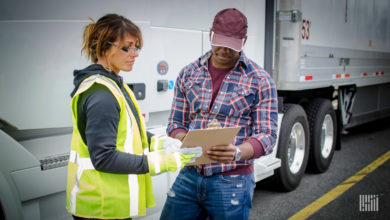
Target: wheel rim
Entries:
(327, 135)
(296, 148)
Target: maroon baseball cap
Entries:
(229, 29)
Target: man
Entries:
(226, 86)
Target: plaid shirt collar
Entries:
(242, 61)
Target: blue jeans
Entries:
(219, 197)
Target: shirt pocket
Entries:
(194, 93)
(242, 100)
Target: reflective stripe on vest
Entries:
(84, 163)
(132, 180)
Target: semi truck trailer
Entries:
(330, 60)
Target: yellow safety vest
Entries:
(94, 194)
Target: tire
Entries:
(293, 148)
(323, 129)
(2, 214)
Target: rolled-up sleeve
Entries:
(178, 117)
(265, 116)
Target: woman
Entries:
(108, 172)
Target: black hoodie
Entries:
(98, 117)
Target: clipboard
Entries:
(208, 138)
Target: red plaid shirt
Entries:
(247, 99)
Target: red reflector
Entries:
(338, 75)
(382, 73)
(364, 74)
(377, 73)
(308, 77)
(347, 75)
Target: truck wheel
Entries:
(293, 147)
(323, 130)
(2, 214)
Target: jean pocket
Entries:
(232, 178)
(233, 188)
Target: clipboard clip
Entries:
(214, 124)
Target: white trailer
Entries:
(330, 60)
(331, 67)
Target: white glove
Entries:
(163, 142)
(160, 162)
(198, 151)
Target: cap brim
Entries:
(220, 40)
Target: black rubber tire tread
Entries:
(283, 179)
(2, 214)
(316, 111)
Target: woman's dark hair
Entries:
(107, 29)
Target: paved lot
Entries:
(360, 147)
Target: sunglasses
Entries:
(133, 50)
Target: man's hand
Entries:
(223, 154)
(180, 136)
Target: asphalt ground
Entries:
(361, 146)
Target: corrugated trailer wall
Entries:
(344, 44)
(355, 42)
